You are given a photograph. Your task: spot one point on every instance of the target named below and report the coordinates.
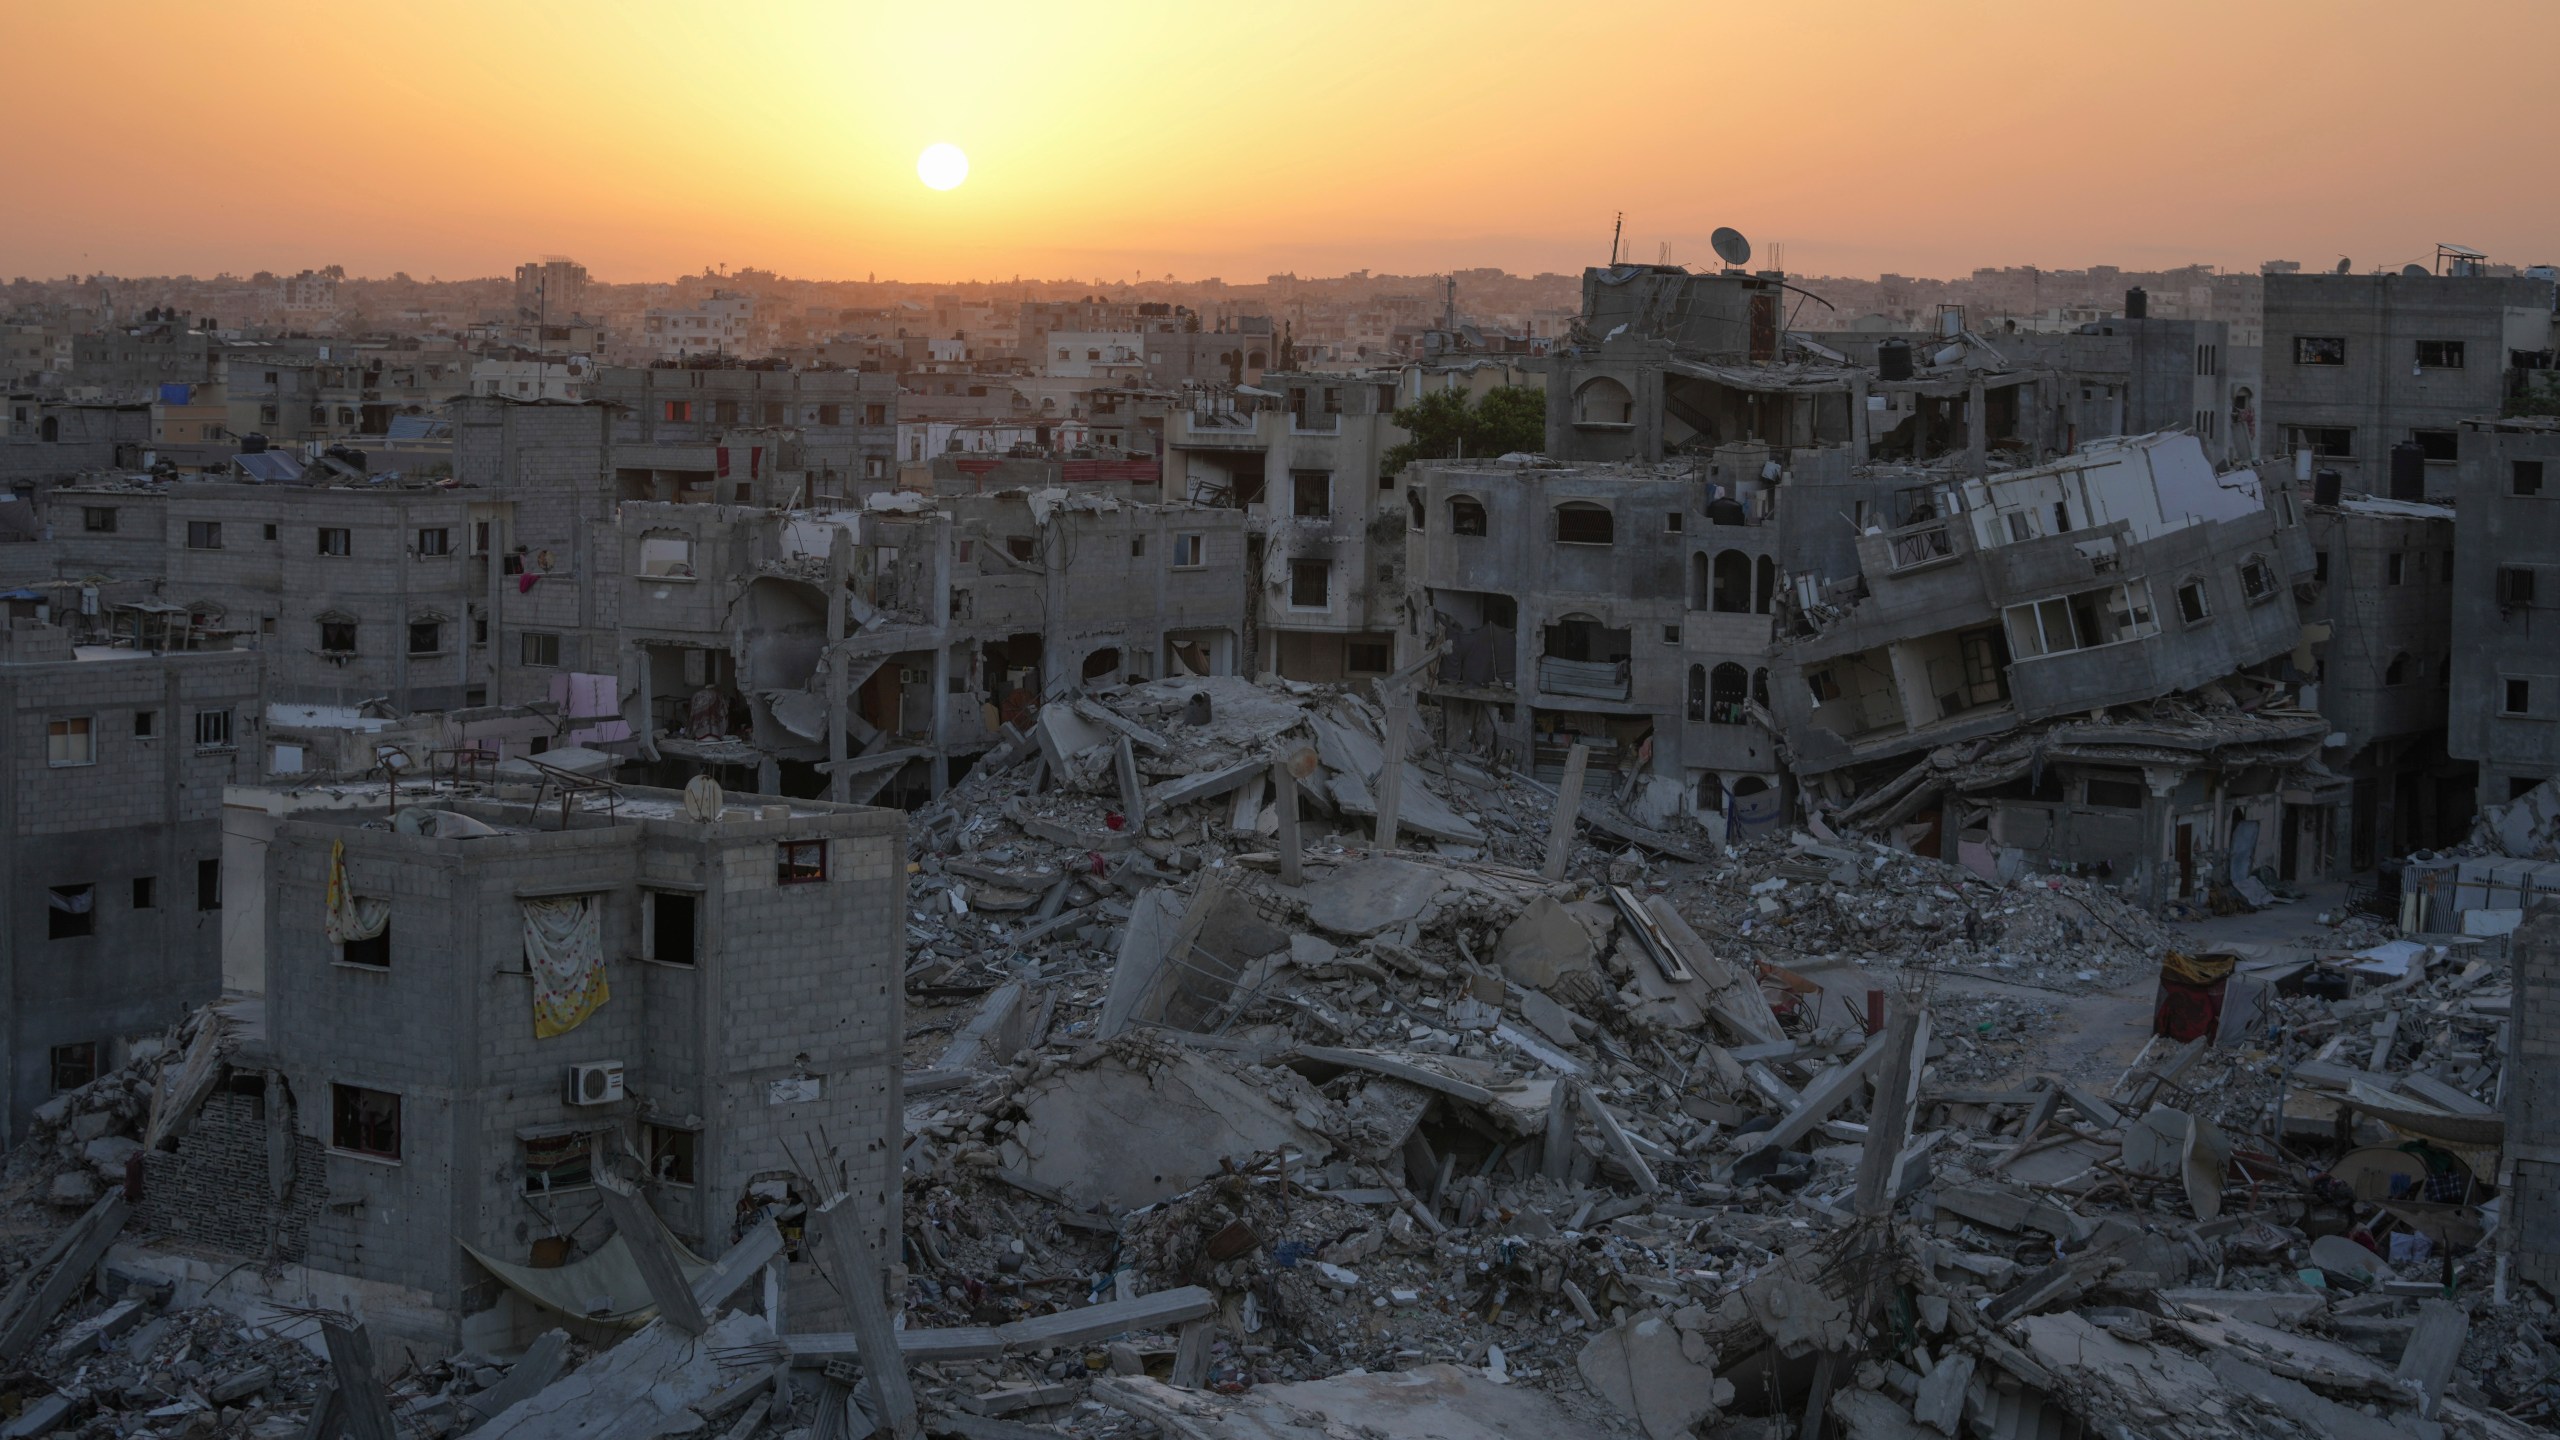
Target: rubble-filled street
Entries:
(1221, 1119)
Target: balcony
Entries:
(1918, 547)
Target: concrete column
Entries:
(1976, 436)
(1859, 440)
(839, 565)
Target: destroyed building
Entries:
(2373, 375)
(846, 419)
(1957, 682)
(110, 802)
(2504, 668)
(698, 997)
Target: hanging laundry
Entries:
(350, 917)
(564, 947)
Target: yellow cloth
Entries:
(564, 947)
(350, 918)
(2196, 969)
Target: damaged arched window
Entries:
(1732, 592)
(1466, 515)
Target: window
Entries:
(2206, 356)
(798, 862)
(267, 531)
(426, 637)
(98, 519)
(2319, 349)
(2330, 442)
(70, 912)
(1582, 523)
(2061, 517)
(213, 729)
(337, 637)
(1670, 634)
(2442, 447)
(267, 415)
(145, 724)
(1367, 657)
(2515, 587)
(2397, 672)
(374, 951)
(1466, 515)
(2112, 794)
(2439, 354)
(773, 412)
(364, 1122)
(1311, 493)
(1190, 552)
(538, 648)
(830, 415)
(2320, 566)
(204, 534)
(2022, 526)
(2395, 567)
(671, 1153)
(558, 1162)
(670, 927)
(146, 892)
(678, 410)
(334, 540)
(74, 1065)
(1728, 691)
(2519, 698)
(1137, 547)
(1310, 584)
(1697, 692)
(2257, 579)
(2191, 606)
(70, 742)
(1671, 521)
(436, 540)
(208, 885)
(2524, 477)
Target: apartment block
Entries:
(111, 786)
(2506, 657)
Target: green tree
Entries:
(1443, 426)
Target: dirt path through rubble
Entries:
(2090, 1037)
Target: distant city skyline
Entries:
(1143, 139)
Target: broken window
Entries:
(204, 534)
(208, 885)
(2257, 579)
(2395, 567)
(2329, 442)
(2439, 354)
(1022, 547)
(145, 723)
(1310, 584)
(666, 555)
(364, 1122)
(2319, 349)
(799, 862)
(213, 729)
(335, 540)
(671, 1153)
(2519, 698)
(2091, 618)
(373, 951)
(71, 911)
(1417, 513)
(1579, 522)
(2112, 794)
(1367, 657)
(2524, 477)
(2440, 446)
(337, 637)
(1731, 590)
(426, 637)
(1466, 515)
(2191, 604)
(71, 741)
(98, 519)
(435, 540)
(539, 648)
(1670, 634)
(558, 1162)
(1311, 493)
(1190, 552)
(1728, 692)
(146, 892)
(2320, 566)
(2515, 587)
(671, 929)
(2397, 672)
(74, 1065)
(2022, 526)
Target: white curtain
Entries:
(564, 947)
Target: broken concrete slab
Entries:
(1369, 896)
(1121, 1135)
(1427, 1402)
(2263, 1307)
(1544, 943)
(1641, 1368)
(639, 1389)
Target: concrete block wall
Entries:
(214, 1188)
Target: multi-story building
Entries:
(724, 323)
(550, 290)
(690, 997)
(2358, 366)
(847, 419)
(110, 804)
(2506, 660)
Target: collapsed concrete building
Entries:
(1956, 680)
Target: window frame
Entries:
(84, 925)
(204, 535)
(1582, 509)
(440, 548)
(349, 1128)
(793, 865)
(528, 641)
(1301, 566)
(2449, 354)
(1196, 545)
(62, 728)
(2318, 350)
(653, 938)
(218, 724)
(2508, 696)
(346, 537)
(92, 516)
(2517, 485)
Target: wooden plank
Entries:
(653, 1252)
(847, 1255)
(97, 1230)
(368, 1410)
(1568, 809)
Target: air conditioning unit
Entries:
(597, 1082)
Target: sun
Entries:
(942, 166)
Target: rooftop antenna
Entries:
(1614, 231)
(1730, 246)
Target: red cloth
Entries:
(524, 582)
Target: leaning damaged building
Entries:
(2078, 665)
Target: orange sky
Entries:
(456, 138)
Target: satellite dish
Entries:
(2345, 266)
(2413, 271)
(1729, 245)
(702, 799)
